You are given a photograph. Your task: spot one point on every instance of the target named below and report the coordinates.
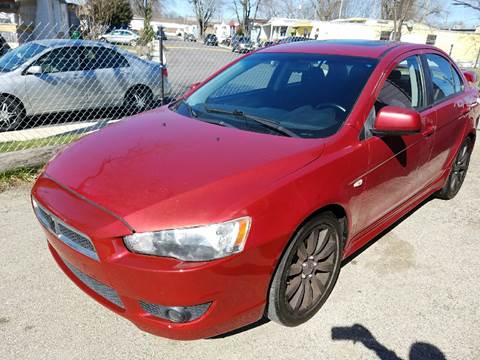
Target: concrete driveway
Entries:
(413, 294)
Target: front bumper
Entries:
(235, 287)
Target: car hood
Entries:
(161, 170)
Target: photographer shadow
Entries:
(359, 333)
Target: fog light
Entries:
(176, 314)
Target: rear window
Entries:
(309, 94)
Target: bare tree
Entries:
(204, 10)
(473, 4)
(327, 10)
(246, 11)
(402, 11)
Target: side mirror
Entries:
(34, 70)
(194, 86)
(471, 76)
(397, 121)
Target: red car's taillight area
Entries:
(165, 71)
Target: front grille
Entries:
(101, 289)
(65, 233)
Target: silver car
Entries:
(51, 76)
(125, 37)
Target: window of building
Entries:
(431, 39)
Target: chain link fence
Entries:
(56, 88)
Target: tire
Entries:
(138, 99)
(133, 43)
(457, 172)
(307, 272)
(102, 39)
(12, 113)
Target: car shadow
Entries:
(359, 333)
(385, 232)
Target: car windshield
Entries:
(19, 56)
(310, 95)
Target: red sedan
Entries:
(241, 199)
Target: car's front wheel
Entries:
(307, 271)
(457, 172)
(12, 113)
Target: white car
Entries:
(120, 36)
(51, 76)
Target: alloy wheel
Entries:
(460, 167)
(311, 269)
(7, 117)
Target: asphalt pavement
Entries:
(413, 294)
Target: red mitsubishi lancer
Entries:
(241, 199)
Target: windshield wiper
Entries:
(193, 113)
(265, 122)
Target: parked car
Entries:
(51, 76)
(243, 45)
(189, 37)
(211, 40)
(121, 36)
(243, 198)
(4, 47)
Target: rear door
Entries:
(448, 101)
(108, 74)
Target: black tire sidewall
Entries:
(446, 193)
(277, 308)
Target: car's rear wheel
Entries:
(139, 98)
(458, 171)
(12, 113)
(307, 271)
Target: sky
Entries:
(469, 17)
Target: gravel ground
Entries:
(413, 294)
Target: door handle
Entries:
(428, 131)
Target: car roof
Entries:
(53, 43)
(363, 48)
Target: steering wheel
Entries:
(332, 105)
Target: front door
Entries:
(60, 87)
(392, 176)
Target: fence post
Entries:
(476, 61)
(160, 40)
(451, 49)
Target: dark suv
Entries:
(4, 47)
(211, 40)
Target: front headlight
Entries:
(198, 243)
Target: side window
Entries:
(404, 86)
(95, 58)
(445, 80)
(60, 60)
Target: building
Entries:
(171, 26)
(22, 20)
(463, 46)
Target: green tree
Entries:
(122, 13)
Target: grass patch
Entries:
(10, 146)
(13, 178)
